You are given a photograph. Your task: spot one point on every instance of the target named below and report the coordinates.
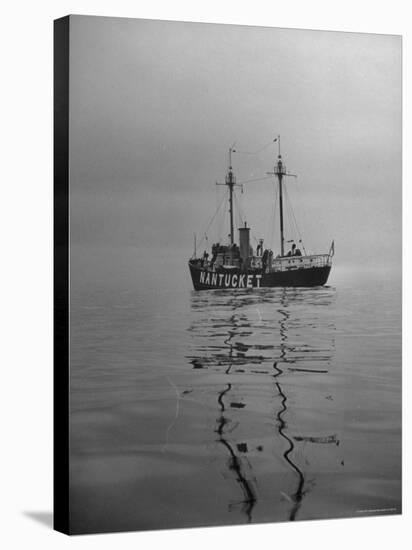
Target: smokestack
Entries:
(244, 242)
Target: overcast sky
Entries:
(155, 106)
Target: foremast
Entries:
(230, 182)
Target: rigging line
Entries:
(268, 225)
(299, 233)
(288, 218)
(256, 179)
(292, 229)
(297, 229)
(295, 222)
(212, 219)
(255, 152)
(273, 219)
(224, 220)
(216, 213)
(220, 224)
(270, 220)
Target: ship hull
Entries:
(205, 279)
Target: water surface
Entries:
(230, 407)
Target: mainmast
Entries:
(230, 182)
(280, 171)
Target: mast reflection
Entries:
(255, 347)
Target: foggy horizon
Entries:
(156, 105)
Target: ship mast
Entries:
(230, 181)
(280, 171)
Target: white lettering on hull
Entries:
(229, 280)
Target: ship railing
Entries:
(287, 263)
(301, 262)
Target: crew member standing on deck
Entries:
(292, 251)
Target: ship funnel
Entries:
(244, 242)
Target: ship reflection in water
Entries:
(235, 406)
(265, 358)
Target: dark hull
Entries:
(204, 279)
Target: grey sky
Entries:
(155, 106)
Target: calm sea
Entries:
(230, 407)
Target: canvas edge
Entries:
(61, 43)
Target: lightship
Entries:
(239, 265)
